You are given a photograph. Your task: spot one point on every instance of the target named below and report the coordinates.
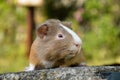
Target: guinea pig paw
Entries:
(29, 68)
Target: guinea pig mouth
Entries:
(70, 55)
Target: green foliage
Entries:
(10, 15)
(11, 37)
(12, 57)
(101, 41)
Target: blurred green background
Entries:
(96, 21)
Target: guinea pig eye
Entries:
(60, 36)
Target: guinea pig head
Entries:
(57, 41)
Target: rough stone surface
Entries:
(68, 73)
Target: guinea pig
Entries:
(55, 45)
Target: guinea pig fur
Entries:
(55, 45)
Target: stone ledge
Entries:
(68, 73)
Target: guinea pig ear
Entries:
(67, 24)
(42, 30)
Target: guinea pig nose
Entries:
(77, 44)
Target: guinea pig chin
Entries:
(70, 55)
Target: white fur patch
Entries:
(74, 35)
(30, 67)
